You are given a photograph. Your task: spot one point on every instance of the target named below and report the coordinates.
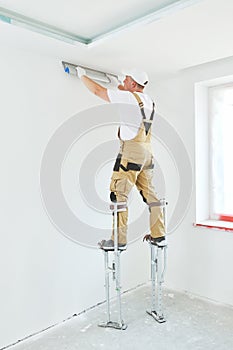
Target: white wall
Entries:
(44, 277)
(200, 259)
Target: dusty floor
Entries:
(192, 324)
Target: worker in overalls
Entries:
(134, 164)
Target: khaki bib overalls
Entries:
(134, 166)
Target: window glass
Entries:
(221, 152)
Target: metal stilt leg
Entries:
(115, 270)
(107, 285)
(158, 268)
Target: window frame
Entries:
(221, 216)
(203, 178)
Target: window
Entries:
(221, 152)
(214, 153)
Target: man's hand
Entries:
(114, 80)
(121, 78)
(121, 87)
(80, 72)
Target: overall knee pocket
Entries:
(120, 189)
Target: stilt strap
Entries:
(160, 203)
(119, 206)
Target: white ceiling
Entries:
(180, 39)
(86, 19)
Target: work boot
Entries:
(159, 241)
(109, 245)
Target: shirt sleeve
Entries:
(119, 96)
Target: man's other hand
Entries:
(80, 72)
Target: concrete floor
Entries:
(192, 324)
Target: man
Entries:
(134, 163)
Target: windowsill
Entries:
(215, 224)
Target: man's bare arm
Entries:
(95, 88)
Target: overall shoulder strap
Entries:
(147, 124)
(140, 103)
(141, 106)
